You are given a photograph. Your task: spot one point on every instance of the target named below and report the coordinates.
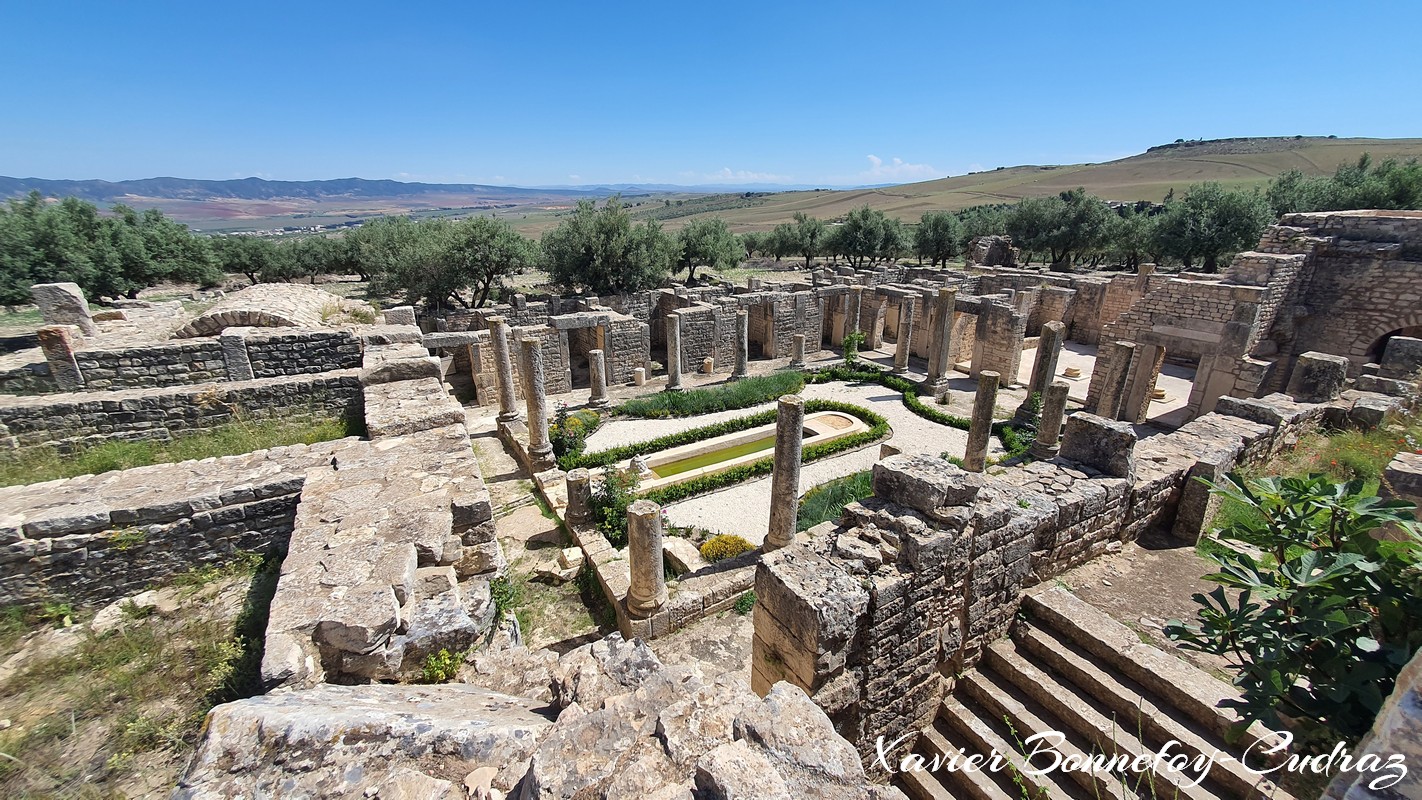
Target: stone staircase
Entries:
(1069, 668)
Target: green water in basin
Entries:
(714, 457)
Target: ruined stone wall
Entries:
(628, 343)
(1185, 317)
(187, 362)
(87, 418)
(93, 539)
(874, 615)
(27, 379)
(274, 353)
(557, 378)
(997, 341)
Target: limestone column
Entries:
(673, 352)
(940, 343)
(905, 343)
(975, 458)
(540, 449)
(648, 590)
(503, 369)
(742, 345)
(579, 496)
(597, 376)
(1044, 368)
(1049, 429)
(851, 310)
(785, 476)
(797, 350)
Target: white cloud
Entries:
(575, 177)
(898, 170)
(728, 175)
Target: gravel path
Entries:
(744, 509)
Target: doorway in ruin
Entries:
(760, 338)
(1375, 351)
(577, 342)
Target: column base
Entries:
(739, 376)
(601, 402)
(898, 370)
(676, 388)
(542, 460)
(513, 417)
(1043, 452)
(797, 364)
(643, 610)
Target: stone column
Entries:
(854, 301)
(785, 476)
(597, 376)
(673, 352)
(940, 344)
(797, 350)
(57, 344)
(1044, 368)
(648, 590)
(742, 345)
(975, 458)
(540, 450)
(579, 496)
(503, 369)
(905, 343)
(1109, 379)
(1049, 429)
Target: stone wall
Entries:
(274, 353)
(87, 418)
(178, 363)
(874, 614)
(93, 539)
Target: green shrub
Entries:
(744, 603)
(569, 432)
(827, 501)
(441, 667)
(1319, 629)
(726, 397)
(723, 546)
(850, 347)
(617, 491)
(613, 455)
(506, 595)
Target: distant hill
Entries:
(1147, 176)
(259, 189)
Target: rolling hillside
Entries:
(1148, 176)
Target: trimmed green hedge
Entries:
(879, 428)
(725, 397)
(613, 455)
(1015, 438)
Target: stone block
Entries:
(400, 315)
(64, 304)
(924, 483)
(1107, 446)
(1402, 358)
(1318, 377)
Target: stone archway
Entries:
(1367, 347)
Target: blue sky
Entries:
(824, 93)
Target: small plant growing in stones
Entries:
(610, 502)
(441, 667)
(723, 546)
(851, 344)
(744, 603)
(506, 594)
(128, 538)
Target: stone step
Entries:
(1141, 713)
(1103, 732)
(923, 786)
(958, 784)
(1180, 685)
(996, 694)
(982, 738)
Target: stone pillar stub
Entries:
(234, 353)
(797, 350)
(540, 449)
(597, 376)
(64, 304)
(1049, 428)
(648, 590)
(742, 369)
(980, 431)
(905, 333)
(57, 344)
(785, 476)
(579, 496)
(1113, 378)
(673, 352)
(503, 369)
